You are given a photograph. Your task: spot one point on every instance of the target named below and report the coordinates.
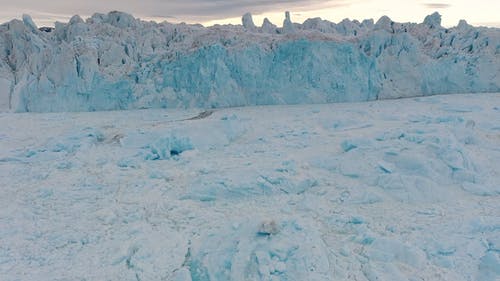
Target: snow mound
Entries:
(297, 252)
(166, 148)
(114, 61)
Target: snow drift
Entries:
(114, 61)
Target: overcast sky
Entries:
(478, 12)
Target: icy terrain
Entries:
(114, 61)
(399, 190)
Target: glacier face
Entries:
(114, 61)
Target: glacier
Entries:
(401, 190)
(115, 61)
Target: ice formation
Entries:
(114, 61)
(394, 190)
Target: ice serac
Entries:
(287, 24)
(433, 21)
(268, 26)
(114, 61)
(247, 22)
(28, 21)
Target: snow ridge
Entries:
(114, 61)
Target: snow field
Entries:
(390, 190)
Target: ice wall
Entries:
(114, 61)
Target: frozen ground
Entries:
(389, 190)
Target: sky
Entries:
(209, 12)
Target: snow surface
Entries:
(114, 61)
(403, 189)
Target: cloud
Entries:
(188, 10)
(490, 24)
(436, 5)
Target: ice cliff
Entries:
(114, 61)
